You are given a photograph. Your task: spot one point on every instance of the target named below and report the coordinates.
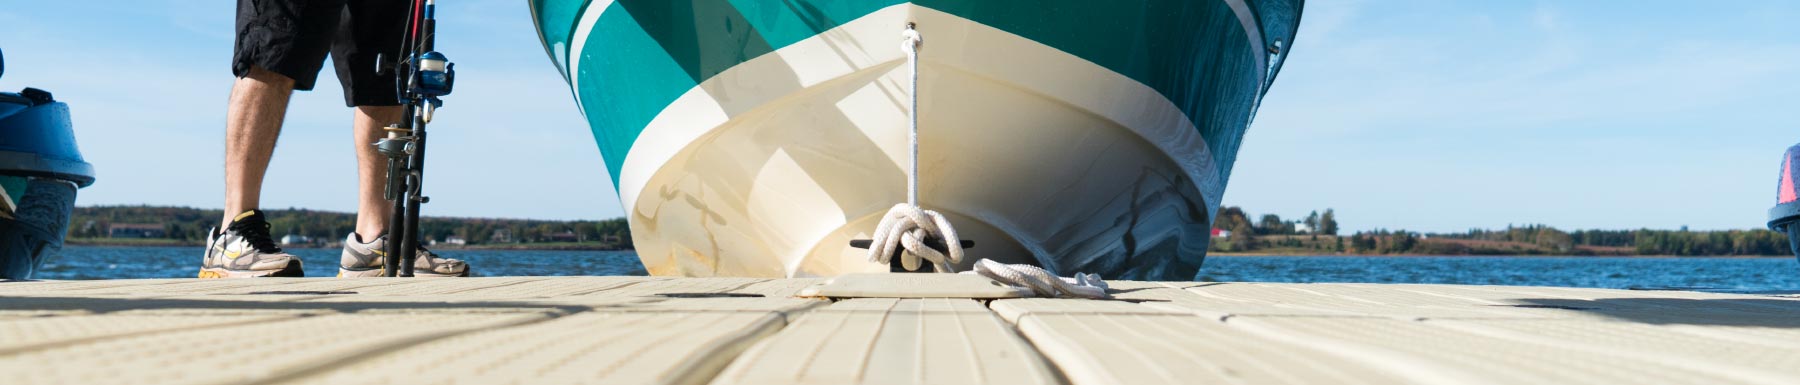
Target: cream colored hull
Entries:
(770, 168)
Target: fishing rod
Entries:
(425, 75)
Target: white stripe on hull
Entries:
(1258, 49)
(590, 16)
(769, 168)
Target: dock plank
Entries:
(674, 341)
(1113, 342)
(244, 352)
(1427, 352)
(1347, 300)
(675, 286)
(1726, 352)
(779, 287)
(544, 287)
(133, 286)
(893, 341)
(1214, 299)
(50, 304)
(29, 333)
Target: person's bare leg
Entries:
(372, 208)
(259, 102)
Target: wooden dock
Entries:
(728, 331)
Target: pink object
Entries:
(1787, 182)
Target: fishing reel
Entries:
(437, 76)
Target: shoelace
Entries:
(256, 232)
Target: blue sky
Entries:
(1441, 116)
(1425, 115)
(148, 81)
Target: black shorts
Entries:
(291, 37)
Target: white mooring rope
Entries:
(911, 41)
(908, 226)
(1041, 282)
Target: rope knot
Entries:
(911, 41)
(907, 226)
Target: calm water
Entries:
(103, 262)
(1738, 274)
(86, 262)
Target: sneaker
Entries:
(368, 260)
(245, 249)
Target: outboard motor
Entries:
(40, 169)
(1785, 217)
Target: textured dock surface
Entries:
(645, 330)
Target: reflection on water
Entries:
(92, 262)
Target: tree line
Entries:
(1271, 233)
(1242, 235)
(191, 224)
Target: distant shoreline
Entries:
(139, 242)
(188, 227)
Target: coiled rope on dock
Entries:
(907, 226)
(1041, 282)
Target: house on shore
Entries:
(451, 241)
(296, 240)
(136, 230)
(565, 236)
